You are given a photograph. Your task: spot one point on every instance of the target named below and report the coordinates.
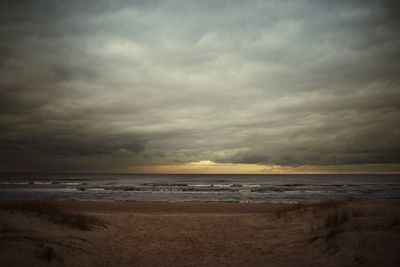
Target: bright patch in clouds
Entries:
(203, 163)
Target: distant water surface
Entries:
(233, 188)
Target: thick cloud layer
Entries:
(107, 85)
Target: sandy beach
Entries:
(128, 233)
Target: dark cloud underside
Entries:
(107, 85)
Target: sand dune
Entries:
(117, 233)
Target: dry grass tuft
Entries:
(53, 212)
(336, 218)
(6, 228)
(331, 226)
(395, 220)
(49, 254)
(297, 208)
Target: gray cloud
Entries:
(129, 83)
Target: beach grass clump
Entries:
(331, 224)
(330, 204)
(7, 228)
(80, 221)
(49, 254)
(298, 208)
(395, 221)
(336, 218)
(53, 212)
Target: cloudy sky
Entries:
(200, 86)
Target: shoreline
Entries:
(204, 188)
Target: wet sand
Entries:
(125, 233)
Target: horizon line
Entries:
(261, 174)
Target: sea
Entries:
(207, 188)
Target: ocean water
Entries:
(232, 188)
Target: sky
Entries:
(258, 86)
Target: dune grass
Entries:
(336, 218)
(395, 220)
(53, 212)
(7, 228)
(333, 218)
(49, 254)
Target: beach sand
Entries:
(128, 233)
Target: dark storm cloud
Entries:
(127, 83)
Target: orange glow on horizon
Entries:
(210, 167)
